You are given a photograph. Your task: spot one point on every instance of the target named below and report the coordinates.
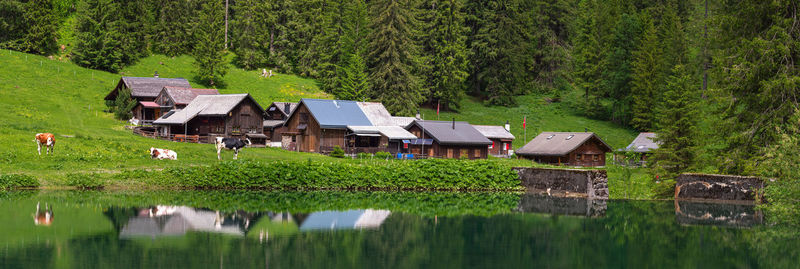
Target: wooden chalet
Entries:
(277, 114)
(209, 116)
(642, 146)
(561, 148)
(447, 139)
(144, 91)
(318, 125)
(172, 97)
(373, 139)
(501, 137)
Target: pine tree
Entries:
(617, 75)
(12, 24)
(353, 79)
(250, 34)
(550, 44)
(588, 58)
(329, 44)
(678, 126)
(392, 55)
(174, 33)
(209, 45)
(646, 79)
(123, 104)
(41, 21)
(97, 36)
(443, 37)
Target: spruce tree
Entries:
(392, 55)
(97, 36)
(41, 21)
(209, 45)
(617, 76)
(123, 104)
(588, 55)
(678, 122)
(444, 67)
(353, 79)
(646, 79)
(549, 48)
(250, 37)
(174, 34)
(329, 44)
(12, 24)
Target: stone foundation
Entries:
(717, 187)
(592, 184)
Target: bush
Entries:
(18, 181)
(337, 152)
(85, 181)
(383, 155)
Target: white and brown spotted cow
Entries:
(234, 144)
(162, 154)
(43, 217)
(46, 139)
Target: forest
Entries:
(718, 80)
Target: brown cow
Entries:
(46, 139)
(43, 217)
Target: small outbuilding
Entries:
(448, 139)
(144, 91)
(501, 137)
(209, 116)
(373, 139)
(564, 148)
(642, 146)
(318, 125)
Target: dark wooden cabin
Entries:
(209, 116)
(502, 139)
(277, 114)
(320, 125)
(144, 91)
(572, 149)
(450, 139)
(178, 98)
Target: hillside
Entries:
(42, 95)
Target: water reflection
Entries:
(717, 214)
(43, 216)
(537, 203)
(164, 220)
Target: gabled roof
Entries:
(183, 96)
(444, 133)
(402, 121)
(335, 114)
(376, 113)
(558, 143)
(494, 132)
(281, 107)
(643, 143)
(147, 86)
(206, 105)
(391, 132)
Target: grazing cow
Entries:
(234, 144)
(43, 217)
(162, 154)
(46, 139)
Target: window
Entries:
(570, 137)
(579, 157)
(550, 137)
(464, 153)
(595, 157)
(477, 153)
(303, 117)
(492, 145)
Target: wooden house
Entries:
(573, 149)
(642, 147)
(501, 137)
(320, 125)
(209, 116)
(172, 97)
(372, 139)
(448, 139)
(144, 91)
(277, 114)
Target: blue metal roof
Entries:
(336, 113)
(331, 220)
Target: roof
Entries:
(351, 219)
(205, 105)
(557, 143)
(183, 96)
(643, 143)
(336, 114)
(391, 132)
(273, 123)
(149, 104)
(148, 86)
(493, 131)
(402, 121)
(376, 113)
(281, 106)
(444, 133)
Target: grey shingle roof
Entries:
(336, 114)
(183, 96)
(204, 105)
(492, 131)
(444, 133)
(402, 121)
(273, 123)
(281, 106)
(376, 113)
(557, 143)
(151, 86)
(643, 143)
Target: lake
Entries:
(263, 229)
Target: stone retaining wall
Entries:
(537, 203)
(717, 187)
(591, 183)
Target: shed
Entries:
(451, 139)
(642, 146)
(502, 139)
(574, 149)
(208, 116)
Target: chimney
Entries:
(418, 114)
(155, 75)
(454, 123)
(286, 108)
(508, 127)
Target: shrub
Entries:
(85, 181)
(337, 152)
(383, 155)
(18, 181)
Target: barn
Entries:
(564, 148)
(448, 139)
(502, 139)
(144, 91)
(209, 116)
(277, 114)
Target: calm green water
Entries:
(243, 229)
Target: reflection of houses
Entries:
(501, 138)
(574, 149)
(208, 116)
(641, 147)
(178, 220)
(277, 114)
(144, 91)
(351, 219)
(450, 139)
